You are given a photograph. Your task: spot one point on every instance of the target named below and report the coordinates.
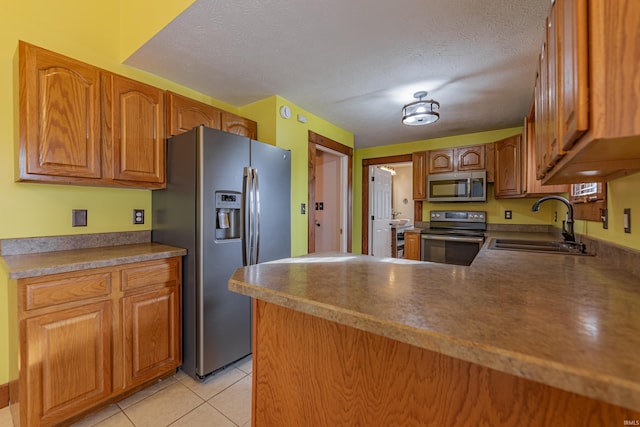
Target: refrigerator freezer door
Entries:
(224, 320)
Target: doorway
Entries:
(330, 195)
(366, 179)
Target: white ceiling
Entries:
(355, 63)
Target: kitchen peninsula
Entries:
(513, 339)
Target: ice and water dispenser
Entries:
(228, 215)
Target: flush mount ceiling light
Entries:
(420, 112)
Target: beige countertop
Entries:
(568, 321)
(39, 264)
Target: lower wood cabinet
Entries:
(87, 337)
(412, 246)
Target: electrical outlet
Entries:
(627, 220)
(507, 214)
(555, 216)
(78, 217)
(303, 208)
(138, 216)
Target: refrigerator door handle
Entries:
(246, 234)
(256, 236)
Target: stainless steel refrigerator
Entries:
(227, 202)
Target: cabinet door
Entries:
(137, 135)
(183, 114)
(508, 167)
(239, 125)
(573, 65)
(541, 122)
(412, 246)
(469, 158)
(59, 115)
(151, 322)
(419, 161)
(441, 161)
(67, 364)
(553, 113)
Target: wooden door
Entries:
(239, 125)
(508, 167)
(412, 246)
(68, 362)
(380, 211)
(59, 116)
(183, 114)
(469, 158)
(152, 334)
(137, 134)
(419, 161)
(441, 161)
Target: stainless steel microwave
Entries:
(457, 187)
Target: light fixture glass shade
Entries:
(420, 112)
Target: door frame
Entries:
(316, 139)
(401, 158)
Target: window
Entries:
(587, 192)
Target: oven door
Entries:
(458, 250)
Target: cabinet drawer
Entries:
(64, 288)
(160, 272)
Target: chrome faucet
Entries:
(567, 233)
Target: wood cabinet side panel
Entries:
(310, 371)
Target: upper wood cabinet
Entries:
(457, 159)
(83, 125)
(441, 161)
(137, 131)
(508, 163)
(419, 164)
(592, 126)
(233, 123)
(470, 158)
(183, 114)
(531, 185)
(59, 116)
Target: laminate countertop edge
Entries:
(587, 379)
(45, 263)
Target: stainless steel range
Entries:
(453, 237)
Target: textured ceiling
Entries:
(355, 63)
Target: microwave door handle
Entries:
(469, 188)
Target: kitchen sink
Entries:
(543, 246)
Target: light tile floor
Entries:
(222, 400)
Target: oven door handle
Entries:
(453, 238)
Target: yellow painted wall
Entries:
(91, 32)
(142, 19)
